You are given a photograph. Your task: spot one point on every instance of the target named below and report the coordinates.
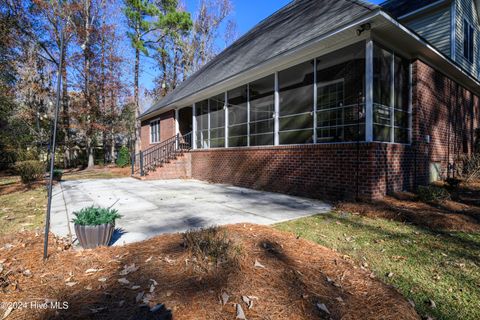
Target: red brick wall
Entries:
(167, 128)
(323, 170)
(446, 112)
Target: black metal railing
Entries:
(159, 154)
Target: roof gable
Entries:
(297, 23)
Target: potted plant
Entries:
(94, 226)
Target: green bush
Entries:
(432, 194)
(30, 171)
(94, 216)
(57, 174)
(123, 159)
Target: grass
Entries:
(423, 265)
(22, 210)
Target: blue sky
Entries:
(247, 13)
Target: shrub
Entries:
(94, 216)
(123, 159)
(470, 167)
(57, 174)
(30, 171)
(432, 193)
(211, 244)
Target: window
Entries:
(391, 77)
(468, 40)
(340, 95)
(262, 108)
(155, 131)
(217, 121)
(201, 117)
(238, 117)
(296, 104)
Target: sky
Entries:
(247, 13)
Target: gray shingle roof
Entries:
(295, 24)
(398, 8)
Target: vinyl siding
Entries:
(434, 27)
(466, 9)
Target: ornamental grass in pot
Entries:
(94, 226)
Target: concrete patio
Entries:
(150, 208)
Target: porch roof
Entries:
(299, 22)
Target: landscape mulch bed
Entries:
(285, 278)
(462, 213)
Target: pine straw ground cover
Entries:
(284, 276)
(429, 251)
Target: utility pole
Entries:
(53, 145)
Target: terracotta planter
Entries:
(94, 236)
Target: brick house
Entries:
(328, 98)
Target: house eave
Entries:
(383, 27)
(309, 50)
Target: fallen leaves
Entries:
(258, 264)
(128, 269)
(323, 307)
(7, 312)
(224, 298)
(240, 312)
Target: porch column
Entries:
(194, 128)
(369, 91)
(248, 115)
(276, 114)
(177, 127)
(315, 94)
(225, 109)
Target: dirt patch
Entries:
(285, 277)
(461, 213)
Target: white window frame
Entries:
(157, 121)
(471, 38)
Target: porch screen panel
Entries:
(340, 95)
(262, 108)
(391, 96)
(382, 94)
(402, 100)
(201, 116)
(217, 121)
(296, 104)
(237, 117)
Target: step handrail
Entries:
(149, 159)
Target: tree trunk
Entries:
(112, 147)
(138, 127)
(90, 155)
